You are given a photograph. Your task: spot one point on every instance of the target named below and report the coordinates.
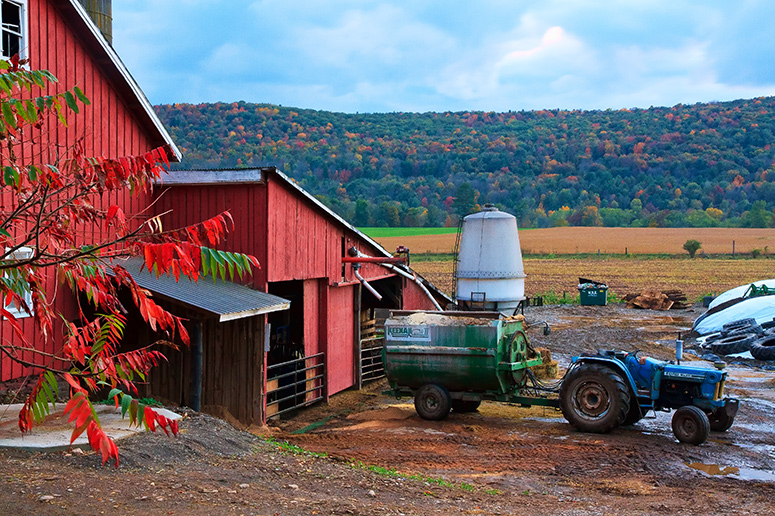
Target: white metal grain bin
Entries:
(490, 274)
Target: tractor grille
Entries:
(719, 390)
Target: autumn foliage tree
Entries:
(60, 225)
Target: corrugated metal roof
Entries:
(224, 299)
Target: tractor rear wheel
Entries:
(633, 416)
(432, 402)
(594, 398)
(465, 405)
(691, 425)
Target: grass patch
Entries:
(292, 449)
(394, 473)
(399, 232)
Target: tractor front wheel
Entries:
(432, 402)
(594, 398)
(691, 425)
(720, 420)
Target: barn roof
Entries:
(107, 58)
(215, 177)
(223, 299)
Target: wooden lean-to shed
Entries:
(313, 258)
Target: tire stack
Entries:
(745, 335)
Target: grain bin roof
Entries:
(223, 299)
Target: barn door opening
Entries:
(372, 326)
(294, 375)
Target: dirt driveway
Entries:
(383, 459)
(533, 457)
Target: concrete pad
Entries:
(54, 433)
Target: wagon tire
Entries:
(432, 402)
(463, 406)
(764, 348)
(691, 425)
(738, 343)
(594, 398)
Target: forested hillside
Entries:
(700, 165)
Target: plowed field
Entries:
(695, 278)
(573, 240)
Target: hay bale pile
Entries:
(549, 368)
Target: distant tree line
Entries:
(684, 166)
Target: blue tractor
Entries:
(613, 388)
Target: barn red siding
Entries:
(299, 236)
(312, 342)
(341, 338)
(414, 298)
(185, 205)
(107, 128)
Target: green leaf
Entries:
(32, 112)
(83, 98)
(52, 381)
(33, 173)
(8, 114)
(47, 391)
(70, 100)
(205, 261)
(36, 413)
(126, 401)
(215, 255)
(10, 175)
(5, 84)
(5, 232)
(113, 393)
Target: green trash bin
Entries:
(593, 294)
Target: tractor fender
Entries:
(612, 363)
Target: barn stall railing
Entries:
(372, 342)
(294, 384)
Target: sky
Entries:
(448, 55)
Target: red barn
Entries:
(310, 256)
(61, 37)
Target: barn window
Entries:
(13, 17)
(18, 284)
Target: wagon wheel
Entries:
(465, 405)
(432, 402)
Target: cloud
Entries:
(427, 55)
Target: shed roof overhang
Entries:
(225, 300)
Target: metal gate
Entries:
(294, 384)
(372, 342)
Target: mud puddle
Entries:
(733, 472)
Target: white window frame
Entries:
(22, 253)
(23, 30)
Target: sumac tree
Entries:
(62, 224)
